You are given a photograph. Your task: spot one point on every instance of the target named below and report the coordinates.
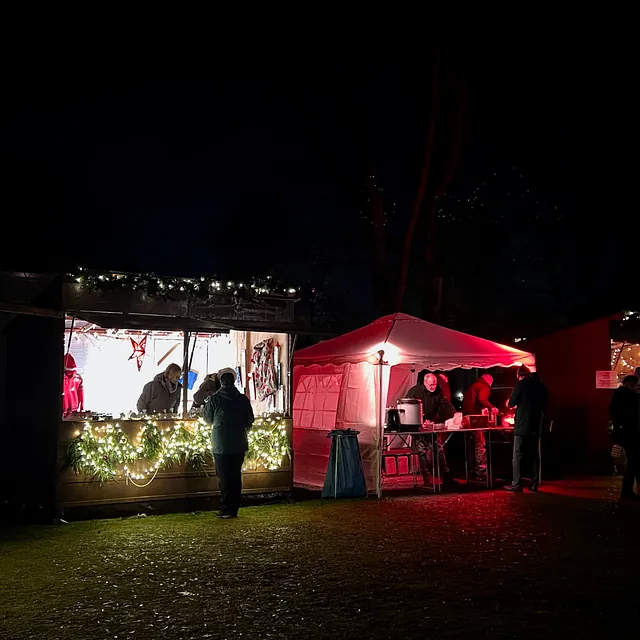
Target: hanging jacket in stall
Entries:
(72, 393)
(72, 387)
(264, 370)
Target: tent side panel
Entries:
(315, 406)
(401, 379)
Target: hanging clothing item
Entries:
(72, 392)
(264, 371)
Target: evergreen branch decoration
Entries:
(104, 452)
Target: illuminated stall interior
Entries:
(348, 381)
(625, 358)
(105, 371)
(111, 366)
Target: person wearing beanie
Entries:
(530, 397)
(230, 415)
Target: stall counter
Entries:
(177, 481)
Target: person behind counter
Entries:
(530, 398)
(162, 394)
(435, 408)
(476, 398)
(209, 386)
(230, 415)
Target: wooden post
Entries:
(185, 374)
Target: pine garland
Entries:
(104, 451)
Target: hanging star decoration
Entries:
(139, 351)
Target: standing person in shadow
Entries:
(230, 415)
(625, 416)
(530, 397)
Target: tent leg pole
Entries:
(379, 425)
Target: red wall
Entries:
(567, 362)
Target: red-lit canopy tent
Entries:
(348, 381)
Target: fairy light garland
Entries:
(625, 356)
(268, 443)
(105, 452)
(159, 286)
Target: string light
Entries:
(201, 287)
(105, 452)
(268, 443)
(625, 358)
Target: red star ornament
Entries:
(139, 351)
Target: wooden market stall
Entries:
(581, 366)
(119, 331)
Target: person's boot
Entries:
(425, 473)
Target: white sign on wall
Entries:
(606, 380)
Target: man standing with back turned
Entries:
(530, 397)
(230, 415)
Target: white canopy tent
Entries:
(348, 381)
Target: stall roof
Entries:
(409, 341)
(147, 322)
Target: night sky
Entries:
(212, 160)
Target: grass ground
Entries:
(471, 565)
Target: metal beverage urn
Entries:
(410, 412)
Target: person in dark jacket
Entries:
(162, 394)
(476, 398)
(530, 398)
(625, 416)
(209, 386)
(435, 408)
(230, 415)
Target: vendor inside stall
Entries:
(163, 393)
(476, 402)
(435, 408)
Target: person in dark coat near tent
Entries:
(625, 416)
(530, 397)
(230, 415)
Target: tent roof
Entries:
(407, 340)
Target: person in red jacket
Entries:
(72, 388)
(476, 398)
